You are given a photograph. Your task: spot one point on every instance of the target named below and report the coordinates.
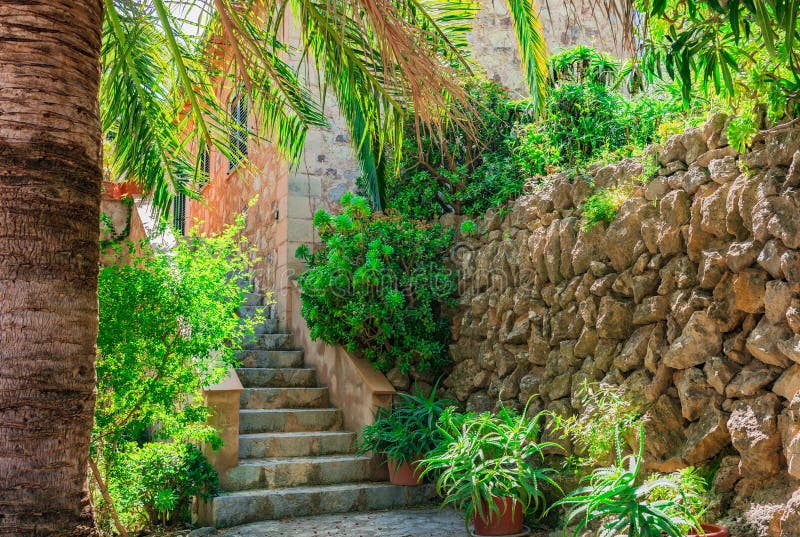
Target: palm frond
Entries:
(384, 60)
(137, 114)
(533, 49)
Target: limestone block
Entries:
(763, 342)
(754, 433)
(699, 341)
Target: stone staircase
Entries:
(294, 458)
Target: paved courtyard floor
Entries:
(403, 523)
(399, 523)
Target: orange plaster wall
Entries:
(230, 193)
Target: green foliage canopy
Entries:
(745, 51)
(585, 118)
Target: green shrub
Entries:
(166, 325)
(696, 494)
(615, 499)
(604, 417)
(155, 483)
(165, 332)
(461, 172)
(377, 286)
(585, 118)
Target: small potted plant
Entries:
(492, 468)
(695, 498)
(405, 433)
(617, 500)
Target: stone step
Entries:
(254, 358)
(249, 312)
(253, 299)
(284, 398)
(289, 420)
(303, 444)
(297, 471)
(268, 342)
(284, 377)
(268, 326)
(235, 508)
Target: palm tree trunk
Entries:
(50, 176)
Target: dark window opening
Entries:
(239, 110)
(205, 161)
(205, 169)
(179, 214)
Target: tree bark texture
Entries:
(50, 177)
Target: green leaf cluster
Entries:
(694, 485)
(602, 206)
(377, 286)
(743, 51)
(406, 431)
(462, 172)
(584, 118)
(491, 455)
(604, 417)
(166, 328)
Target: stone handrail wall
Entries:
(689, 301)
(222, 400)
(355, 386)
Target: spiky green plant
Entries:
(615, 499)
(407, 430)
(487, 456)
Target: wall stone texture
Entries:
(689, 302)
(565, 24)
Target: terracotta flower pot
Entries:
(407, 474)
(119, 190)
(507, 521)
(711, 530)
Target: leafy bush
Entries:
(605, 416)
(166, 325)
(457, 173)
(602, 206)
(485, 456)
(156, 482)
(165, 332)
(585, 118)
(744, 52)
(407, 430)
(377, 286)
(588, 121)
(696, 494)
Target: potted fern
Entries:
(492, 468)
(618, 501)
(405, 433)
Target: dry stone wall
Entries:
(689, 301)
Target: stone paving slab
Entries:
(399, 523)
